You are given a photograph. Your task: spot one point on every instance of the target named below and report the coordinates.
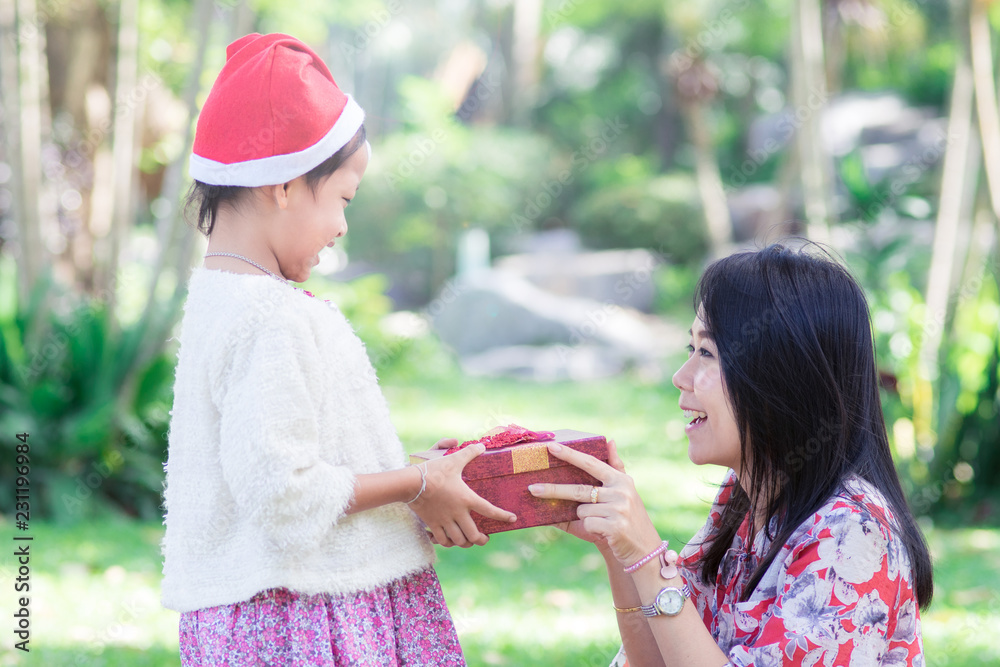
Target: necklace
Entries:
(248, 261)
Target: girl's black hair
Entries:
(209, 198)
(798, 364)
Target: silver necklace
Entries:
(248, 261)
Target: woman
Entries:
(810, 555)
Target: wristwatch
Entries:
(669, 602)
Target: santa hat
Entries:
(273, 114)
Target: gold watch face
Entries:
(670, 601)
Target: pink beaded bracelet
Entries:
(648, 557)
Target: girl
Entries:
(810, 555)
(293, 529)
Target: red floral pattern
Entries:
(403, 624)
(839, 593)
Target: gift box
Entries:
(502, 476)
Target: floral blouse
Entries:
(838, 594)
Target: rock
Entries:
(548, 363)
(621, 277)
(888, 134)
(750, 209)
(563, 241)
(499, 309)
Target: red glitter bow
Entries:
(503, 436)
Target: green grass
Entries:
(534, 597)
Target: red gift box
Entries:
(502, 476)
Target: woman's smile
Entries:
(695, 418)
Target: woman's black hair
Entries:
(797, 355)
(209, 198)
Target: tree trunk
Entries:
(981, 52)
(175, 237)
(782, 217)
(524, 53)
(11, 126)
(957, 178)
(242, 20)
(83, 57)
(127, 109)
(835, 46)
(30, 47)
(710, 190)
(809, 95)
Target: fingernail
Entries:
(555, 447)
(535, 488)
(513, 519)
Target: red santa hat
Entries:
(273, 114)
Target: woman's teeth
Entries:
(691, 415)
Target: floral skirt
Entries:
(403, 623)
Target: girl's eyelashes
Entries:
(347, 201)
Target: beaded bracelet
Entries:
(648, 557)
(423, 482)
(668, 564)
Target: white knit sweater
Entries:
(276, 409)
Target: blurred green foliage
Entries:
(95, 408)
(405, 353)
(435, 177)
(599, 147)
(634, 208)
(675, 287)
(958, 473)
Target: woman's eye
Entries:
(702, 352)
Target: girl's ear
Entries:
(279, 193)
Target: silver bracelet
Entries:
(423, 482)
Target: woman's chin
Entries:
(697, 457)
(700, 457)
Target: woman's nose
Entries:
(682, 378)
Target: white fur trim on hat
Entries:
(280, 168)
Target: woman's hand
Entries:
(445, 504)
(575, 528)
(618, 521)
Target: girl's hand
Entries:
(445, 504)
(618, 521)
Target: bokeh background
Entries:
(549, 178)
